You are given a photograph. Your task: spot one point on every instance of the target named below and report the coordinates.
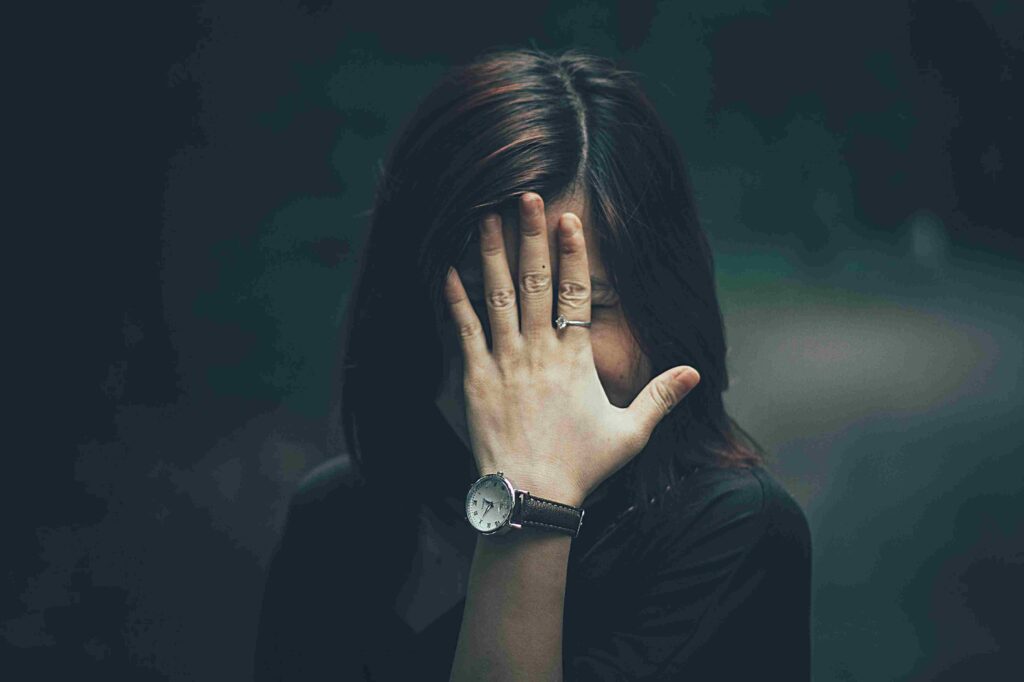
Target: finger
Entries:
(499, 289)
(663, 393)
(534, 267)
(574, 291)
(470, 330)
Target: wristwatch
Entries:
(494, 507)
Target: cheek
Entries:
(619, 363)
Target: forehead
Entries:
(470, 269)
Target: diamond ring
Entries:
(562, 323)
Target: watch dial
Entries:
(488, 503)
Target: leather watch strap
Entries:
(546, 514)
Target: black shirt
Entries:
(713, 583)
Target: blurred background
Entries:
(205, 169)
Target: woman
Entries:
(528, 186)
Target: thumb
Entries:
(664, 392)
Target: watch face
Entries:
(489, 503)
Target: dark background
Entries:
(190, 190)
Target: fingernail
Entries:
(687, 375)
(531, 202)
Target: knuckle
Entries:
(489, 249)
(469, 330)
(535, 282)
(509, 367)
(663, 396)
(534, 228)
(501, 298)
(573, 294)
(472, 383)
(572, 244)
(637, 437)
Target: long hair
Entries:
(508, 122)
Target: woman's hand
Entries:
(535, 406)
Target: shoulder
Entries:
(785, 519)
(747, 491)
(326, 497)
(740, 506)
(327, 479)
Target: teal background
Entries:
(853, 165)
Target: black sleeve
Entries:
(721, 591)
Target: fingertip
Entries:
(529, 202)
(569, 224)
(688, 376)
(452, 285)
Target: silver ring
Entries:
(562, 323)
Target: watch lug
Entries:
(515, 518)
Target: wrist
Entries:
(497, 503)
(551, 487)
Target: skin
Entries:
(536, 408)
(622, 367)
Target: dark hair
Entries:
(511, 121)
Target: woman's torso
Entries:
(411, 624)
